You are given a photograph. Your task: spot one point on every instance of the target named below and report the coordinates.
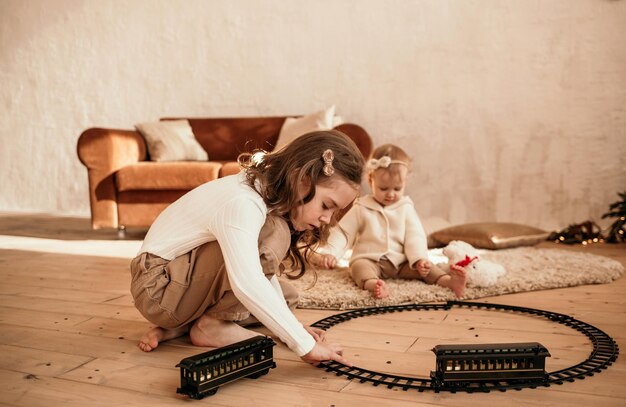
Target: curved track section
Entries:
(604, 353)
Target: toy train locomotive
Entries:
(461, 365)
(202, 374)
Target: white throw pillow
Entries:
(295, 127)
(171, 140)
(337, 120)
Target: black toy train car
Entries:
(457, 365)
(202, 374)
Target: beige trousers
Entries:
(365, 269)
(173, 293)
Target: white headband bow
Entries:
(383, 162)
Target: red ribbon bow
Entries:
(466, 261)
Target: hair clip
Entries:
(328, 156)
(383, 162)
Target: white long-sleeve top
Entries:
(230, 211)
(373, 231)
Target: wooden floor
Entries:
(68, 333)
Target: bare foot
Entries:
(209, 331)
(377, 287)
(151, 339)
(458, 280)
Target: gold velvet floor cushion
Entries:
(491, 235)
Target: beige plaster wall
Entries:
(513, 110)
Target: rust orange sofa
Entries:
(126, 189)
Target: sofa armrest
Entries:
(103, 152)
(360, 137)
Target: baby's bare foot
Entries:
(381, 291)
(151, 339)
(377, 287)
(458, 280)
(215, 333)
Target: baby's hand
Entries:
(423, 267)
(325, 261)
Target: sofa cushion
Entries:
(225, 138)
(149, 175)
(171, 141)
(229, 168)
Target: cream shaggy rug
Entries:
(528, 269)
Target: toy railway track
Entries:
(605, 351)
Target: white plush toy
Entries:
(480, 273)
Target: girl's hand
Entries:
(423, 267)
(318, 334)
(325, 261)
(325, 351)
(328, 261)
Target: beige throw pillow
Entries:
(171, 140)
(295, 127)
(491, 235)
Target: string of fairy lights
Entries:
(589, 232)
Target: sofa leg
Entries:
(121, 232)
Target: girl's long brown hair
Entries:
(276, 176)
